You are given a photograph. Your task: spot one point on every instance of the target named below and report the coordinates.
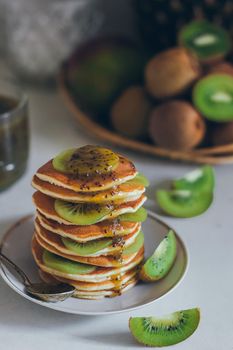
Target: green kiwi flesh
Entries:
(206, 40)
(213, 97)
(86, 161)
(135, 246)
(168, 330)
(201, 180)
(84, 249)
(160, 263)
(140, 179)
(139, 216)
(82, 213)
(183, 203)
(61, 264)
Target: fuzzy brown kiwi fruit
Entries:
(222, 67)
(129, 113)
(223, 134)
(176, 125)
(171, 72)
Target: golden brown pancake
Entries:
(123, 172)
(45, 205)
(56, 241)
(82, 234)
(127, 191)
(51, 243)
(98, 275)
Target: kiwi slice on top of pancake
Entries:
(213, 97)
(86, 161)
(207, 40)
(82, 213)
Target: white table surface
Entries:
(208, 283)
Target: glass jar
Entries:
(14, 140)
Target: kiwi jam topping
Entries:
(86, 161)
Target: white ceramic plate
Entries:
(16, 245)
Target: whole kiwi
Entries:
(176, 125)
(222, 67)
(171, 72)
(223, 134)
(129, 113)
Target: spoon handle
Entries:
(24, 277)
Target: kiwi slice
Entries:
(84, 249)
(139, 216)
(160, 263)
(202, 180)
(207, 40)
(168, 330)
(213, 97)
(82, 213)
(140, 179)
(61, 264)
(86, 161)
(135, 246)
(183, 203)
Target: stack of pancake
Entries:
(86, 229)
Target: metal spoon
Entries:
(47, 292)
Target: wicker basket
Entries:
(210, 155)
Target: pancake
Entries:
(123, 172)
(102, 260)
(84, 234)
(99, 293)
(124, 192)
(45, 205)
(112, 284)
(56, 241)
(98, 275)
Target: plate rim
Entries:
(53, 306)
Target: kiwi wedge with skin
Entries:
(81, 213)
(159, 264)
(138, 216)
(198, 180)
(183, 203)
(85, 161)
(164, 331)
(207, 40)
(213, 97)
(61, 264)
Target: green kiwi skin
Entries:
(204, 183)
(139, 216)
(172, 204)
(64, 265)
(159, 332)
(160, 263)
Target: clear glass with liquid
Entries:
(14, 133)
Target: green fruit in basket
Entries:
(183, 203)
(101, 69)
(213, 97)
(198, 180)
(176, 125)
(86, 161)
(160, 263)
(208, 41)
(129, 113)
(82, 213)
(164, 331)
